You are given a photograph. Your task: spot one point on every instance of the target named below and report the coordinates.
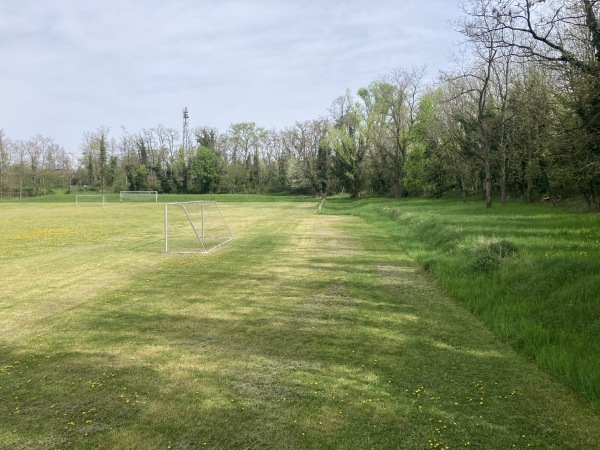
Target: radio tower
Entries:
(186, 131)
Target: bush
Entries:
(487, 262)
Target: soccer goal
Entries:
(138, 196)
(90, 200)
(195, 227)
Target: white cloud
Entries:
(70, 66)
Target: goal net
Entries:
(195, 227)
(90, 200)
(138, 196)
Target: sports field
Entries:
(307, 331)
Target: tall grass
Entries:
(531, 272)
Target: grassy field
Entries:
(307, 331)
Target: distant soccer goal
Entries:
(195, 227)
(90, 200)
(138, 196)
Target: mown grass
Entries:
(541, 294)
(307, 331)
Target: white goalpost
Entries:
(138, 196)
(90, 200)
(195, 227)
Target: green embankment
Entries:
(530, 272)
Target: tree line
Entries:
(518, 115)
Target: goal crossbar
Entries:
(195, 227)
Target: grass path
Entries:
(306, 332)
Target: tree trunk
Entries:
(488, 179)
(398, 189)
(503, 175)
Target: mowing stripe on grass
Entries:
(308, 331)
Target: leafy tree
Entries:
(142, 151)
(323, 170)
(348, 143)
(390, 108)
(112, 170)
(207, 171)
(139, 178)
(430, 165)
(206, 137)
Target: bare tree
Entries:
(21, 156)
(563, 35)
(5, 161)
(304, 141)
(489, 79)
(554, 31)
(35, 150)
(475, 83)
(502, 85)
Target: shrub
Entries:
(487, 262)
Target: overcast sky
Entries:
(71, 66)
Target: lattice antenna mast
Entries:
(186, 129)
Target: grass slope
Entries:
(307, 331)
(531, 272)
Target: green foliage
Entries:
(207, 169)
(389, 126)
(139, 178)
(112, 171)
(488, 254)
(486, 262)
(323, 171)
(347, 141)
(142, 152)
(429, 167)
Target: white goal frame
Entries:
(132, 194)
(77, 197)
(198, 229)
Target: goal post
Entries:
(138, 196)
(90, 200)
(195, 227)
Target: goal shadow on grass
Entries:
(191, 247)
(155, 246)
